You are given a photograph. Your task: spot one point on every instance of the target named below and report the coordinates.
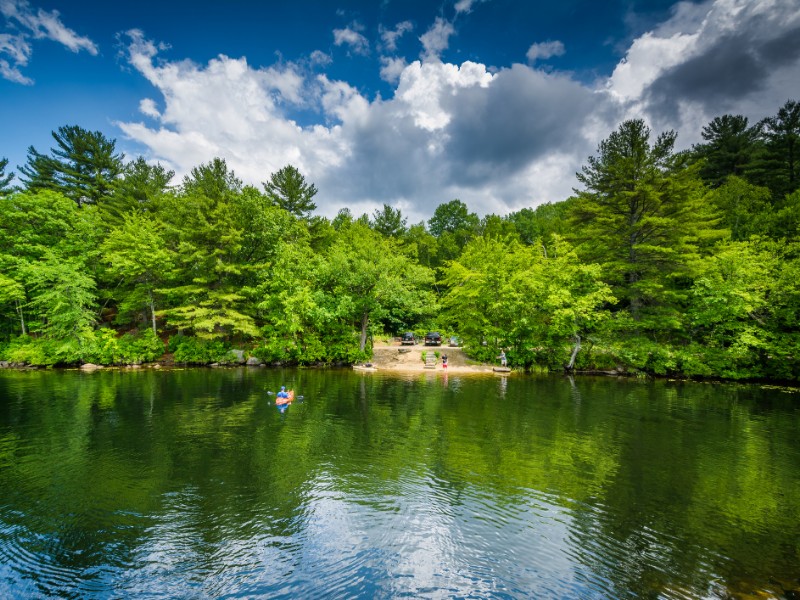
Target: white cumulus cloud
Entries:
(33, 24)
(498, 139)
(391, 68)
(390, 36)
(351, 37)
(721, 56)
(436, 39)
(545, 50)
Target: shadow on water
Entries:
(194, 484)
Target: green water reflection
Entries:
(191, 484)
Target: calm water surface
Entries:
(191, 484)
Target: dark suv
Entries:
(408, 338)
(433, 338)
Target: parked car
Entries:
(454, 342)
(408, 338)
(433, 338)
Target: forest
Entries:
(662, 262)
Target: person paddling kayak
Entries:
(284, 397)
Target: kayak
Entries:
(288, 400)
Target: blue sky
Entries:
(408, 103)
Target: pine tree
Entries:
(83, 165)
(642, 216)
(287, 188)
(5, 180)
(729, 148)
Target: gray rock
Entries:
(90, 367)
(239, 354)
(254, 361)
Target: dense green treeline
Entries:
(663, 262)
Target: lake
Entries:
(193, 484)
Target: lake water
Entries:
(192, 484)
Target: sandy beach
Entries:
(408, 359)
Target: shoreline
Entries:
(395, 358)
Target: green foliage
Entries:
(39, 173)
(103, 347)
(64, 295)
(534, 224)
(204, 291)
(496, 227)
(785, 221)
(779, 162)
(196, 351)
(310, 350)
(213, 180)
(729, 148)
(453, 226)
(364, 278)
(421, 246)
(32, 351)
(136, 191)
(137, 255)
(287, 189)
(514, 296)
(5, 179)
(739, 300)
(744, 208)
(388, 221)
(131, 348)
(83, 166)
(452, 217)
(643, 219)
(670, 263)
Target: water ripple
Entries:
(384, 488)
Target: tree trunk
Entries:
(21, 316)
(575, 350)
(364, 323)
(153, 313)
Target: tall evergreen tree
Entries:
(83, 165)
(641, 215)
(136, 190)
(5, 180)
(204, 292)
(728, 150)
(781, 157)
(39, 172)
(287, 188)
(388, 221)
(214, 180)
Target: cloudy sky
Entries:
(410, 103)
